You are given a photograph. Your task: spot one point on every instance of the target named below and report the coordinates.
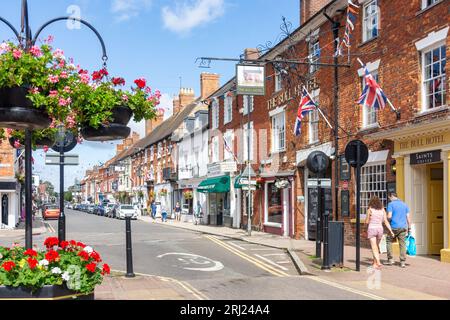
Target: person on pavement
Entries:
(398, 214)
(163, 214)
(375, 217)
(178, 212)
(153, 208)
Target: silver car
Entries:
(126, 210)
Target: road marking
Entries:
(50, 227)
(194, 259)
(345, 288)
(250, 259)
(271, 262)
(274, 254)
(284, 262)
(264, 249)
(235, 245)
(188, 287)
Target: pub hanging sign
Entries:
(425, 157)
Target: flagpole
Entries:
(325, 118)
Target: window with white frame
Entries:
(215, 114)
(434, 78)
(228, 146)
(245, 141)
(248, 103)
(159, 150)
(370, 117)
(314, 53)
(314, 120)
(227, 109)
(427, 3)
(152, 153)
(215, 149)
(371, 20)
(373, 183)
(278, 132)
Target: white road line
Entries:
(271, 262)
(284, 262)
(264, 249)
(274, 254)
(235, 245)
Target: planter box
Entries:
(45, 293)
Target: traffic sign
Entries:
(54, 159)
(351, 153)
(68, 144)
(317, 162)
(245, 187)
(244, 181)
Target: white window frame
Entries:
(245, 142)
(425, 101)
(246, 101)
(313, 46)
(313, 120)
(276, 136)
(425, 5)
(278, 81)
(215, 114)
(368, 110)
(365, 26)
(215, 149)
(227, 109)
(377, 185)
(228, 137)
(159, 152)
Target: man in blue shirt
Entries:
(398, 214)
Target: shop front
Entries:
(163, 197)
(218, 201)
(9, 195)
(422, 162)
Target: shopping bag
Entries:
(410, 243)
(383, 246)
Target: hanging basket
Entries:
(116, 130)
(17, 111)
(39, 144)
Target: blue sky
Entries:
(156, 39)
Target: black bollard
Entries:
(130, 273)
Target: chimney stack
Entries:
(150, 125)
(186, 97)
(119, 148)
(308, 8)
(251, 54)
(209, 83)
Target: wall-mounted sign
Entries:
(345, 203)
(250, 80)
(422, 142)
(425, 157)
(344, 173)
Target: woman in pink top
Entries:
(375, 217)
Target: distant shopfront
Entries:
(218, 199)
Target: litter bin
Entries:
(336, 243)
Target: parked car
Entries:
(50, 212)
(90, 208)
(126, 210)
(99, 210)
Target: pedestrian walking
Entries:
(153, 209)
(398, 214)
(163, 214)
(198, 213)
(178, 212)
(375, 217)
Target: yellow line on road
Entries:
(250, 259)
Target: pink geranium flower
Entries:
(58, 54)
(4, 47)
(17, 54)
(53, 79)
(17, 144)
(53, 93)
(64, 75)
(36, 51)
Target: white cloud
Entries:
(190, 14)
(127, 9)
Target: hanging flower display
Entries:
(282, 184)
(188, 195)
(40, 138)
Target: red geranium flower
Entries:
(81, 244)
(73, 243)
(141, 83)
(106, 269)
(51, 242)
(84, 255)
(31, 253)
(64, 244)
(52, 255)
(32, 263)
(8, 265)
(95, 256)
(91, 267)
(118, 81)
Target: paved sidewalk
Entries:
(39, 227)
(425, 277)
(145, 287)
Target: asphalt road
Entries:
(219, 268)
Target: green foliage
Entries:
(68, 196)
(36, 138)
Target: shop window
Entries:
(275, 204)
(434, 78)
(373, 183)
(228, 110)
(371, 20)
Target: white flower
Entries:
(56, 270)
(65, 276)
(88, 249)
(43, 262)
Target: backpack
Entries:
(410, 245)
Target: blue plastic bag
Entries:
(410, 245)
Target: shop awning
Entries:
(215, 185)
(237, 184)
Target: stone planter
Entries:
(116, 130)
(17, 111)
(45, 293)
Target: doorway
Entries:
(5, 210)
(435, 227)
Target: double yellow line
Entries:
(249, 258)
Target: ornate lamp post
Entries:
(28, 41)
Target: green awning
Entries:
(237, 184)
(215, 185)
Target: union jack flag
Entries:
(307, 105)
(372, 96)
